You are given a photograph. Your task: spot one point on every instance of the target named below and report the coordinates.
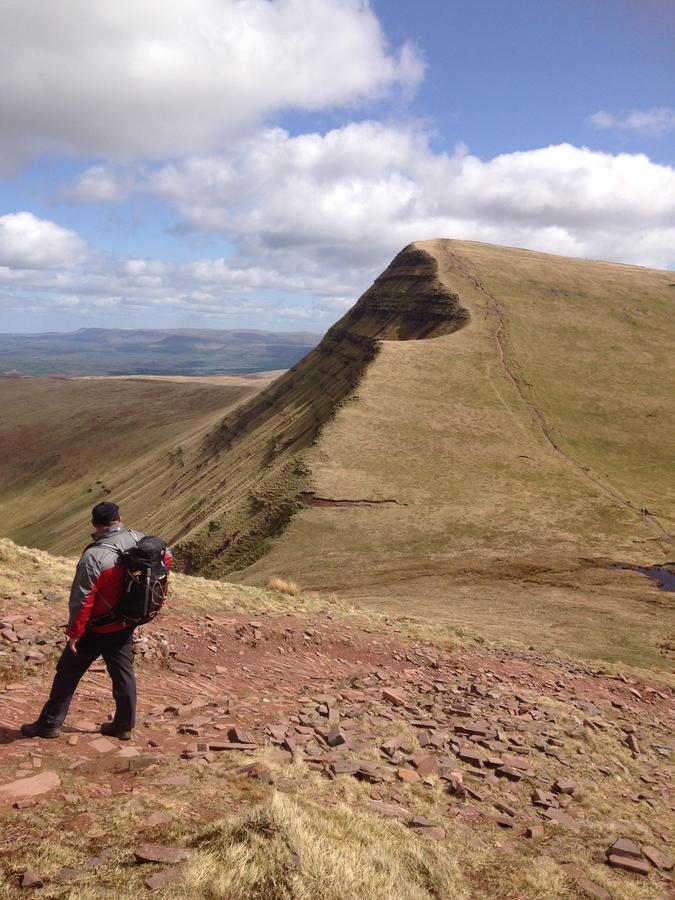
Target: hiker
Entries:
(97, 588)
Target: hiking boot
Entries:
(111, 730)
(37, 729)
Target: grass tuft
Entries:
(283, 586)
(294, 850)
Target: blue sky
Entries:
(258, 163)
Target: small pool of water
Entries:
(664, 577)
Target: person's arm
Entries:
(81, 598)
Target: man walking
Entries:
(96, 589)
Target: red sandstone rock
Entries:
(658, 859)
(163, 878)
(636, 866)
(544, 798)
(425, 763)
(239, 736)
(23, 788)
(393, 697)
(563, 786)
(392, 744)
(156, 853)
(624, 847)
(30, 880)
(585, 883)
(336, 736)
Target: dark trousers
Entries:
(117, 651)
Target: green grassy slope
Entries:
(459, 429)
(515, 449)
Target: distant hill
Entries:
(117, 351)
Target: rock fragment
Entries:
(658, 859)
(240, 736)
(336, 737)
(163, 878)
(626, 848)
(393, 697)
(103, 745)
(156, 853)
(585, 883)
(636, 866)
(23, 788)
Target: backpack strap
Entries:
(107, 617)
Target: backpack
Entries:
(145, 583)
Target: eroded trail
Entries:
(459, 744)
(496, 311)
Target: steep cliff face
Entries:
(259, 447)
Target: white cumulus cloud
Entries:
(352, 197)
(27, 242)
(140, 78)
(313, 218)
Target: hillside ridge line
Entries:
(537, 415)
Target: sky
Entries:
(257, 163)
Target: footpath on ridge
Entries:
(528, 754)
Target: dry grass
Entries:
(288, 849)
(304, 838)
(31, 572)
(285, 587)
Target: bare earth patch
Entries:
(299, 751)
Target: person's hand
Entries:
(73, 645)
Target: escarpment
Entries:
(258, 447)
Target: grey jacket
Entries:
(99, 580)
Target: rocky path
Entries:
(533, 754)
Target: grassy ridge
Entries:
(505, 405)
(492, 526)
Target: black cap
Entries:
(105, 513)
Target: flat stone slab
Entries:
(23, 788)
(84, 726)
(30, 880)
(590, 887)
(239, 735)
(393, 697)
(390, 810)
(636, 866)
(626, 848)
(103, 745)
(156, 853)
(658, 859)
(163, 878)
